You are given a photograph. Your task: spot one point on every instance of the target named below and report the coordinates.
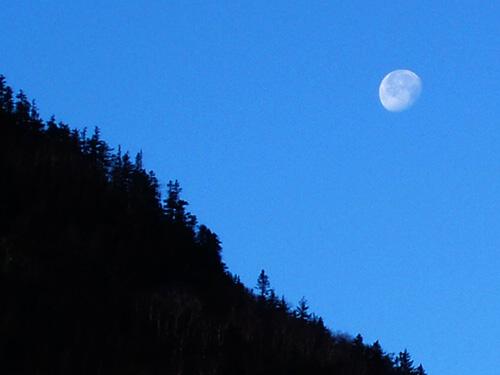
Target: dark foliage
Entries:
(98, 275)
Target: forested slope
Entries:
(100, 275)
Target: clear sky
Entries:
(268, 114)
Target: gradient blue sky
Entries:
(268, 114)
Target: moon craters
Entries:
(399, 90)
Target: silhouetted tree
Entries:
(302, 310)
(405, 363)
(138, 161)
(98, 152)
(34, 117)
(263, 285)
(22, 108)
(175, 207)
(211, 247)
(6, 97)
(420, 370)
(377, 349)
(272, 299)
(283, 305)
(358, 341)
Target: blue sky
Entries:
(268, 114)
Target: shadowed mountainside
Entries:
(100, 275)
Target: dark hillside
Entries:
(99, 275)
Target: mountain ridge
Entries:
(100, 274)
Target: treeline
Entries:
(101, 275)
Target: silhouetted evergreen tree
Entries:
(358, 342)
(175, 207)
(6, 97)
(378, 361)
(405, 363)
(420, 370)
(263, 285)
(210, 250)
(283, 305)
(22, 108)
(98, 152)
(302, 310)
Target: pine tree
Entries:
(358, 342)
(263, 285)
(377, 349)
(420, 370)
(6, 97)
(283, 305)
(98, 151)
(51, 126)
(211, 247)
(138, 161)
(175, 207)
(405, 363)
(378, 362)
(126, 172)
(22, 109)
(302, 309)
(273, 300)
(35, 120)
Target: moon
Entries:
(399, 90)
